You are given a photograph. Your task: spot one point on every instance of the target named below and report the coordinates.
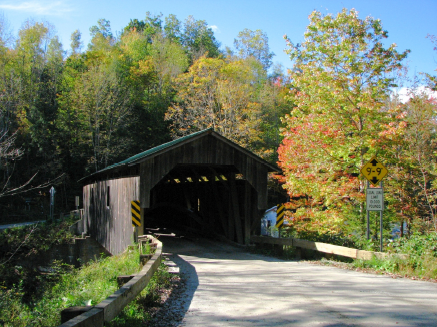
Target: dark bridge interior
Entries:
(208, 199)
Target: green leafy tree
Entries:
(341, 77)
(76, 43)
(199, 40)
(102, 99)
(172, 28)
(101, 36)
(409, 144)
(254, 44)
(149, 27)
(274, 106)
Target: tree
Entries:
(199, 39)
(172, 28)
(6, 37)
(102, 100)
(274, 106)
(219, 94)
(101, 36)
(340, 81)
(432, 80)
(254, 44)
(76, 43)
(409, 144)
(149, 27)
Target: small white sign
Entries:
(375, 199)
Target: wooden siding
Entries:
(110, 225)
(204, 150)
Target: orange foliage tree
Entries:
(340, 82)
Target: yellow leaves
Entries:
(218, 93)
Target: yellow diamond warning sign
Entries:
(374, 171)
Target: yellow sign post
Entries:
(374, 171)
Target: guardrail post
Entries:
(298, 253)
(71, 312)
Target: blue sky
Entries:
(407, 22)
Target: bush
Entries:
(422, 260)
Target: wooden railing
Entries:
(322, 247)
(109, 308)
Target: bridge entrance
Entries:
(205, 198)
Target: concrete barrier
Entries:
(109, 308)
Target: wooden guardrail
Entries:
(109, 308)
(323, 247)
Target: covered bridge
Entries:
(202, 180)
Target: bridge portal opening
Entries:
(206, 199)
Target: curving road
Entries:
(226, 286)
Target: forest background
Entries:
(68, 113)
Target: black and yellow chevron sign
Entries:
(136, 216)
(280, 215)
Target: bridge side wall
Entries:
(107, 211)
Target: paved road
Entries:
(20, 224)
(229, 287)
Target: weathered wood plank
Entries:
(326, 248)
(304, 244)
(236, 209)
(219, 205)
(110, 225)
(247, 212)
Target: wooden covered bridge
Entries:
(202, 180)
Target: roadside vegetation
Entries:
(19, 246)
(33, 297)
(421, 263)
(148, 302)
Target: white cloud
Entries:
(406, 93)
(214, 28)
(49, 8)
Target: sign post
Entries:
(374, 171)
(52, 202)
(76, 202)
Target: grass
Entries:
(69, 287)
(421, 262)
(29, 297)
(137, 312)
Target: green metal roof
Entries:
(159, 148)
(151, 151)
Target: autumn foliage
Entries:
(341, 84)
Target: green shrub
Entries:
(421, 262)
